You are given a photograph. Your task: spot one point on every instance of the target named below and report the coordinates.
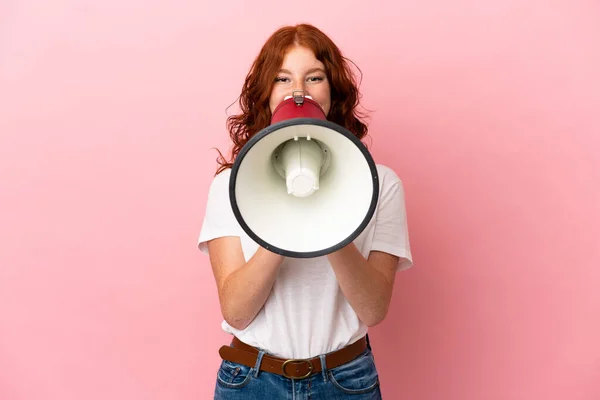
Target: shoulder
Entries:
(387, 176)
(218, 207)
(391, 187)
(218, 191)
(222, 178)
(220, 183)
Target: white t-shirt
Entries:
(306, 313)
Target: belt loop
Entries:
(323, 367)
(258, 362)
(368, 342)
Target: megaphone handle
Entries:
(298, 98)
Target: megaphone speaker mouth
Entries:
(303, 186)
(301, 161)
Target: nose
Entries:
(299, 88)
(300, 85)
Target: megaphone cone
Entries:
(303, 186)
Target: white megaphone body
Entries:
(303, 186)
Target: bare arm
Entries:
(243, 286)
(366, 283)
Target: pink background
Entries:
(489, 112)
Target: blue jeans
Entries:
(357, 379)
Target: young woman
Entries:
(300, 326)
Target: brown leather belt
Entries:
(242, 353)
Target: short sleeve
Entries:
(219, 220)
(391, 227)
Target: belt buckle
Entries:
(297, 361)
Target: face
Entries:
(301, 70)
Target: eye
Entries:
(281, 79)
(315, 79)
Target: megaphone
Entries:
(303, 186)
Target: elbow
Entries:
(373, 321)
(237, 323)
(233, 315)
(375, 316)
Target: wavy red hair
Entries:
(254, 99)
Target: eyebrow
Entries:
(310, 71)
